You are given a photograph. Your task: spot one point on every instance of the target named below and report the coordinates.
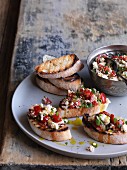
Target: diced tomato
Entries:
(71, 94)
(46, 100)
(121, 57)
(99, 56)
(112, 118)
(100, 66)
(88, 93)
(98, 59)
(106, 68)
(125, 58)
(81, 90)
(45, 119)
(115, 57)
(106, 113)
(56, 118)
(113, 74)
(94, 103)
(103, 98)
(37, 109)
(71, 106)
(77, 103)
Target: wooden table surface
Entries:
(51, 27)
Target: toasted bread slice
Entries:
(84, 100)
(59, 67)
(104, 128)
(54, 135)
(68, 113)
(45, 85)
(47, 123)
(69, 83)
(118, 138)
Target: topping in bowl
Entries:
(106, 71)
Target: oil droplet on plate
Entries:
(81, 143)
(74, 128)
(76, 122)
(72, 141)
(61, 144)
(41, 138)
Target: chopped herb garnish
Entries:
(98, 122)
(106, 72)
(93, 90)
(57, 113)
(115, 120)
(86, 106)
(89, 104)
(65, 120)
(94, 144)
(52, 110)
(66, 143)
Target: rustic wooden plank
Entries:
(6, 49)
(69, 26)
(4, 5)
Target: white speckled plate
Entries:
(28, 94)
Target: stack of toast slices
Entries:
(59, 75)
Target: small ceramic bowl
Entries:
(114, 88)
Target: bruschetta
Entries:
(46, 122)
(106, 128)
(84, 100)
(59, 67)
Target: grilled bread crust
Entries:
(68, 113)
(55, 135)
(59, 67)
(45, 85)
(117, 138)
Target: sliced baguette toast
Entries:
(59, 67)
(69, 113)
(105, 129)
(54, 135)
(83, 101)
(69, 83)
(47, 123)
(45, 85)
(118, 138)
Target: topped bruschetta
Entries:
(47, 123)
(106, 128)
(84, 100)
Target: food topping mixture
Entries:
(84, 97)
(46, 116)
(46, 100)
(105, 123)
(90, 148)
(104, 70)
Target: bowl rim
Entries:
(104, 48)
